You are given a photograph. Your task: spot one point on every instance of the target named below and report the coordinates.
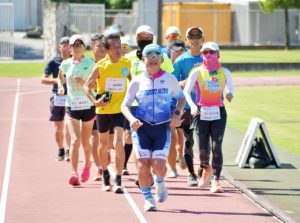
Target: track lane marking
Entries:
(9, 156)
(129, 199)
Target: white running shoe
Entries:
(149, 205)
(161, 192)
(106, 188)
(118, 189)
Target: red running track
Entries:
(34, 187)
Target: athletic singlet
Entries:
(210, 87)
(153, 95)
(113, 78)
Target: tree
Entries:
(268, 6)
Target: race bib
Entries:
(80, 103)
(60, 101)
(115, 84)
(210, 113)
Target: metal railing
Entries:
(6, 31)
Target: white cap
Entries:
(173, 30)
(144, 28)
(125, 40)
(76, 37)
(210, 45)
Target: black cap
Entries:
(176, 45)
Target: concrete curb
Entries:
(258, 199)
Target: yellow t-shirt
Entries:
(112, 78)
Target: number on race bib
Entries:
(60, 101)
(80, 103)
(115, 84)
(210, 113)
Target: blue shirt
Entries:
(52, 68)
(182, 67)
(154, 95)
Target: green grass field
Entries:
(260, 56)
(21, 69)
(278, 107)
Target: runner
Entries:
(99, 53)
(172, 33)
(57, 103)
(151, 124)
(110, 74)
(144, 37)
(182, 68)
(209, 112)
(80, 109)
(176, 49)
(126, 47)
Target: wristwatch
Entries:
(177, 112)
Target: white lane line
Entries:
(9, 156)
(129, 199)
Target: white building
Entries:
(27, 13)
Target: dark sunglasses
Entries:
(197, 36)
(209, 51)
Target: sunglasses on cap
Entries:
(153, 55)
(209, 51)
(197, 36)
(173, 36)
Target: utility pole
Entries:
(159, 21)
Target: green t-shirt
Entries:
(75, 92)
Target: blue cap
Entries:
(152, 47)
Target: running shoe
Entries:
(137, 183)
(106, 181)
(216, 186)
(74, 180)
(117, 188)
(85, 174)
(67, 155)
(149, 205)
(204, 180)
(98, 175)
(182, 163)
(192, 180)
(161, 192)
(125, 171)
(173, 174)
(60, 155)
